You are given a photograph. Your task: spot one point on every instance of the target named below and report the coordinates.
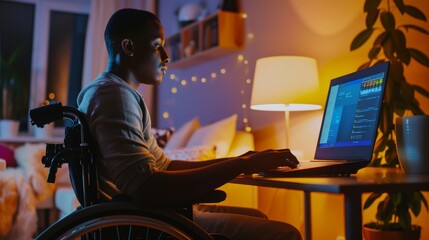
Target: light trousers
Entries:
(238, 223)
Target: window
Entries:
(65, 60)
(18, 36)
(53, 32)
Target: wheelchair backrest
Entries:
(87, 157)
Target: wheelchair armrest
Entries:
(214, 196)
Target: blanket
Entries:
(21, 188)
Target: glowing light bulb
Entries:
(172, 76)
(165, 115)
(248, 129)
(51, 96)
(203, 80)
(183, 82)
(173, 90)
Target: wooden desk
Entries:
(366, 180)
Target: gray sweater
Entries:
(120, 123)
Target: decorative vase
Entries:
(376, 234)
(9, 128)
(412, 140)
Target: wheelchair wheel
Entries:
(123, 220)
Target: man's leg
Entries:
(253, 212)
(244, 227)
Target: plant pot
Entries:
(412, 140)
(8, 128)
(376, 234)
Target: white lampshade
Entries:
(285, 83)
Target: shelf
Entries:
(31, 139)
(216, 35)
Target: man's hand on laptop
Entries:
(269, 159)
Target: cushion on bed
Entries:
(219, 134)
(182, 135)
(197, 153)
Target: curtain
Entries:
(95, 58)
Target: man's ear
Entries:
(128, 47)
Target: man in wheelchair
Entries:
(131, 161)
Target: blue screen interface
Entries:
(351, 112)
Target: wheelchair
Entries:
(99, 218)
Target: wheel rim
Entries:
(123, 220)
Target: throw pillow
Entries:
(8, 154)
(162, 135)
(181, 137)
(198, 153)
(219, 134)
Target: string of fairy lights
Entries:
(221, 73)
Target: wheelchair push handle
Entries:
(43, 115)
(50, 113)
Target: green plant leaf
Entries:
(414, 203)
(414, 27)
(371, 5)
(419, 56)
(399, 42)
(399, 39)
(388, 21)
(371, 198)
(388, 47)
(371, 18)
(404, 218)
(423, 199)
(380, 144)
(391, 155)
(396, 197)
(404, 55)
(400, 5)
(373, 53)
(421, 90)
(406, 92)
(400, 109)
(380, 39)
(383, 125)
(376, 162)
(385, 210)
(415, 12)
(361, 38)
(415, 108)
(396, 71)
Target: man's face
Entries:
(149, 63)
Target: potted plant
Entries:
(391, 45)
(11, 99)
(393, 217)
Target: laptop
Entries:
(349, 126)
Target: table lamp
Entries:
(285, 83)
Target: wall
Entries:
(319, 29)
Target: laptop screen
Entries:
(349, 125)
